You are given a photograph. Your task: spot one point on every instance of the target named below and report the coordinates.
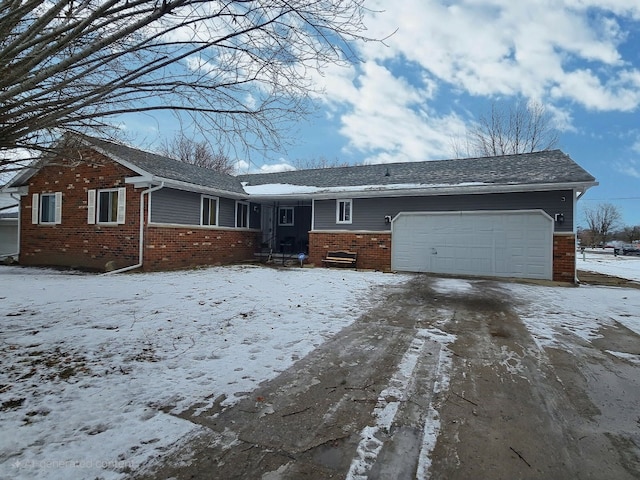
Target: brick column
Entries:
(564, 257)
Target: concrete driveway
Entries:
(432, 385)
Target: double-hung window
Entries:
(242, 215)
(343, 211)
(46, 208)
(285, 216)
(106, 206)
(209, 211)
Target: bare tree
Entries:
(631, 234)
(197, 153)
(318, 162)
(507, 130)
(237, 69)
(601, 220)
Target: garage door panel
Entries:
(506, 243)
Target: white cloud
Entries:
(243, 166)
(275, 167)
(552, 50)
(630, 168)
(390, 121)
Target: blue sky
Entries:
(450, 59)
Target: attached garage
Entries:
(484, 243)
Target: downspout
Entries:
(17, 254)
(141, 244)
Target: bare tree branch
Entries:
(519, 128)
(318, 162)
(197, 153)
(240, 70)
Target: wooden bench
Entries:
(342, 258)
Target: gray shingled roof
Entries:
(547, 167)
(168, 168)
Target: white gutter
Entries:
(17, 254)
(141, 243)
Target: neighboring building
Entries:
(9, 227)
(103, 205)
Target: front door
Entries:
(267, 226)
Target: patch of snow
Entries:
(607, 263)
(452, 285)
(630, 357)
(550, 313)
(290, 189)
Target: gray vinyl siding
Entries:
(175, 206)
(369, 213)
(227, 212)
(183, 208)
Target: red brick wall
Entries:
(373, 249)
(74, 242)
(564, 258)
(168, 248)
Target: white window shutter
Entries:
(122, 193)
(58, 213)
(35, 203)
(91, 207)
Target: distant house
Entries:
(8, 226)
(104, 206)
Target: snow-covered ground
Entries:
(604, 261)
(95, 367)
(90, 362)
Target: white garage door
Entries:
(8, 236)
(497, 243)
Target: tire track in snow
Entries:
(400, 388)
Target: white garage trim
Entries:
(496, 243)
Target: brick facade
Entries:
(373, 249)
(169, 248)
(564, 257)
(77, 244)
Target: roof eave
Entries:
(150, 180)
(17, 190)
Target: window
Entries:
(343, 211)
(209, 211)
(106, 206)
(285, 216)
(242, 215)
(46, 208)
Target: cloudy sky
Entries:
(450, 59)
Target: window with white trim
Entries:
(109, 205)
(46, 208)
(209, 211)
(242, 215)
(343, 211)
(285, 216)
